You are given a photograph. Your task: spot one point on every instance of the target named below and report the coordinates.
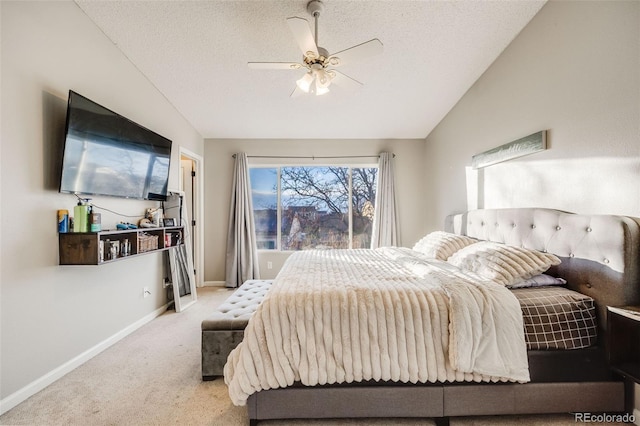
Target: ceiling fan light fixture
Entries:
(321, 90)
(323, 78)
(305, 82)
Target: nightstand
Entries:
(623, 328)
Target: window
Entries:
(313, 207)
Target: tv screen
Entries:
(108, 154)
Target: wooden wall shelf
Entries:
(97, 248)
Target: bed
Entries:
(598, 259)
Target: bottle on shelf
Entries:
(81, 213)
(80, 216)
(63, 221)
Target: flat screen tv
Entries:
(108, 154)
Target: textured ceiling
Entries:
(196, 54)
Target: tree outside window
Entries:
(327, 207)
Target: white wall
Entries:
(219, 171)
(573, 71)
(51, 314)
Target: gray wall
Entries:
(52, 315)
(219, 171)
(573, 71)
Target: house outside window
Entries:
(313, 207)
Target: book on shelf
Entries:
(632, 312)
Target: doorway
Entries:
(190, 184)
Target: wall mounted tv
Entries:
(108, 154)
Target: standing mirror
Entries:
(178, 259)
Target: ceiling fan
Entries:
(316, 60)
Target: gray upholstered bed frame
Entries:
(600, 258)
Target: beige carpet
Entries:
(152, 377)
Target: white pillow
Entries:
(441, 245)
(538, 281)
(501, 263)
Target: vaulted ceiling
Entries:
(196, 54)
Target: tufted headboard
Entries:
(600, 253)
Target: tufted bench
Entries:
(224, 330)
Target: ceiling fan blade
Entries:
(274, 65)
(297, 92)
(345, 81)
(356, 53)
(302, 33)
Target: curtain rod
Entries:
(312, 157)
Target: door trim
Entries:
(198, 237)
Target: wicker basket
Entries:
(147, 242)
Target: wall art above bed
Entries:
(533, 143)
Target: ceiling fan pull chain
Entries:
(315, 15)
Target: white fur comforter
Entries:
(387, 314)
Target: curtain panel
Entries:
(385, 231)
(242, 249)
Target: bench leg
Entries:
(442, 421)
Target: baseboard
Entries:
(213, 284)
(37, 385)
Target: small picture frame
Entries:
(170, 221)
